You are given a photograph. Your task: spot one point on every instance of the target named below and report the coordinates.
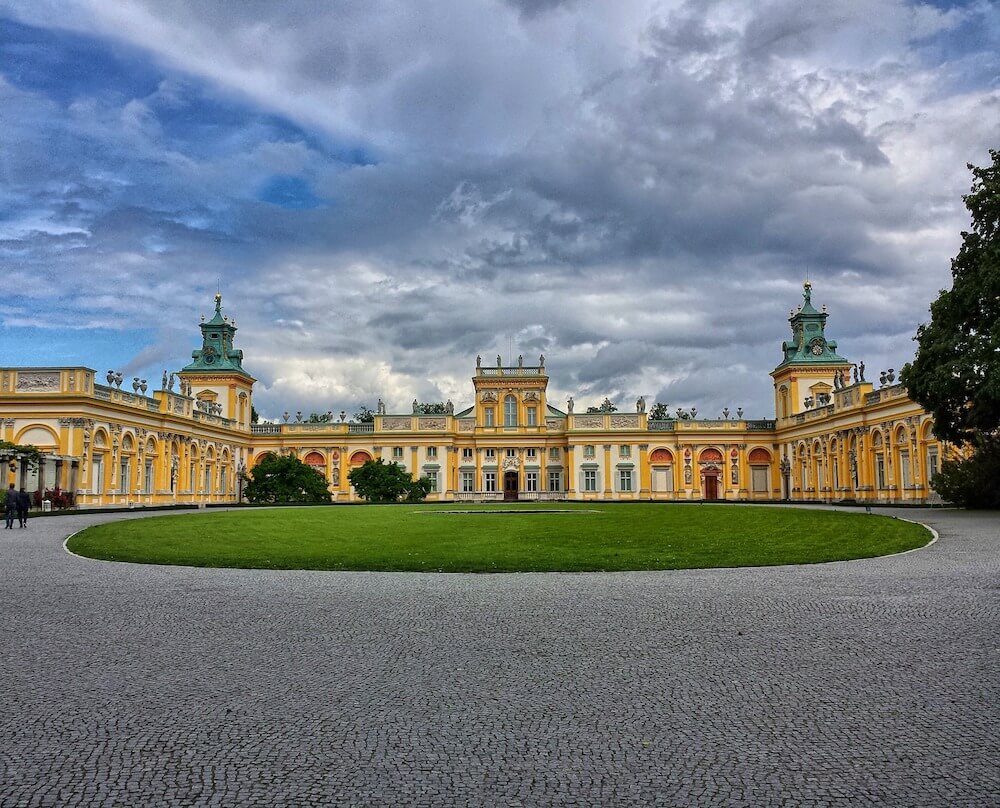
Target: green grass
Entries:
(428, 538)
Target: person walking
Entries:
(10, 507)
(23, 506)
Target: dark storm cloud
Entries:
(384, 191)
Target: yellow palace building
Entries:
(835, 437)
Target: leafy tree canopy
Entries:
(16, 451)
(659, 412)
(378, 481)
(431, 408)
(254, 417)
(956, 373)
(606, 406)
(364, 415)
(285, 478)
(972, 483)
(319, 418)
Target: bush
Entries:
(972, 483)
(378, 481)
(285, 479)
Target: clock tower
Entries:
(811, 368)
(216, 375)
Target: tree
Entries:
(364, 415)
(956, 373)
(972, 483)
(285, 478)
(319, 418)
(432, 408)
(659, 412)
(378, 481)
(254, 417)
(606, 406)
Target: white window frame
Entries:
(625, 481)
(590, 481)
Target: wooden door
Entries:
(510, 486)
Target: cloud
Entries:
(636, 190)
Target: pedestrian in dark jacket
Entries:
(23, 506)
(10, 507)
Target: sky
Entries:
(383, 190)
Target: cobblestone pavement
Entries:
(859, 683)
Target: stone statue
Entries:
(520, 360)
(449, 407)
(163, 384)
(170, 382)
(569, 405)
(499, 361)
(380, 407)
(861, 370)
(416, 406)
(479, 361)
(640, 405)
(541, 360)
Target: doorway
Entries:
(510, 486)
(710, 485)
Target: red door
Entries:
(711, 486)
(510, 486)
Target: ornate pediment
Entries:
(488, 395)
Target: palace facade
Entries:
(835, 437)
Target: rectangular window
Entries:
(433, 477)
(554, 453)
(489, 481)
(588, 451)
(932, 463)
(590, 480)
(532, 416)
(208, 480)
(663, 478)
(97, 475)
(491, 454)
(880, 468)
(397, 452)
(758, 479)
(432, 452)
(531, 481)
(123, 478)
(467, 453)
(555, 481)
(625, 480)
(488, 417)
(510, 411)
(192, 481)
(624, 451)
(468, 482)
(512, 453)
(531, 454)
(147, 478)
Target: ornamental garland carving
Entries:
(488, 395)
(553, 423)
(467, 426)
(431, 423)
(38, 382)
(531, 395)
(395, 422)
(624, 421)
(588, 421)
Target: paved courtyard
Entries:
(857, 683)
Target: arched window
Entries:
(509, 411)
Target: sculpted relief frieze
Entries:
(431, 423)
(588, 421)
(624, 421)
(397, 422)
(38, 382)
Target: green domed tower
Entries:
(216, 373)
